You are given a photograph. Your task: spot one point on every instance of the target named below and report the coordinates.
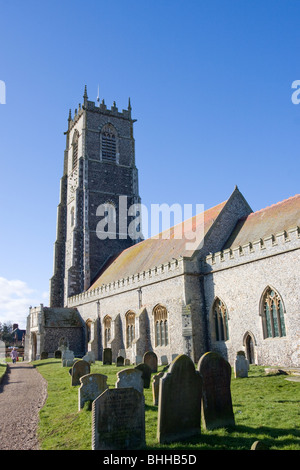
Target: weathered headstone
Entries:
(57, 354)
(2, 351)
(120, 361)
(258, 445)
(118, 420)
(155, 387)
(164, 360)
(138, 359)
(79, 369)
(89, 357)
(122, 352)
(44, 355)
(127, 362)
(150, 358)
(217, 411)
(67, 358)
(92, 385)
(130, 378)
(146, 373)
(179, 406)
(63, 344)
(241, 365)
(107, 356)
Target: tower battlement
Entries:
(100, 108)
(99, 166)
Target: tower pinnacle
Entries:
(85, 96)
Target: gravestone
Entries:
(2, 351)
(138, 359)
(79, 369)
(150, 358)
(258, 445)
(241, 365)
(127, 362)
(118, 417)
(155, 387)
(164, 360)
(67, 358)
(146, 373)
(57, 354)
(179, 405)
(120, 361)
(130, 378)
(44, 355)
(122, 353)
(63, 344)
(217, 411)
(92, 385)
(89, 357)
(107, 356)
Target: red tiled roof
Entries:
(266, 222)
(156, 251)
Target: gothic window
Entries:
(107, 330)
(75, 150)
(272, 314)
(109, 144)
(220, 317)
(130, 328)
(161, 325)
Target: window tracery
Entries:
(273, 314)
(220, 316)
(161, 325)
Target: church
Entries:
(235, 289)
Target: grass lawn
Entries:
(266, 408)
(2, 369)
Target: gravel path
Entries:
(23, 392)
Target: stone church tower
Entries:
(99, 172)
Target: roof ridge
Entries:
(186, 220)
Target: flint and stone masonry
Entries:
(237, 291)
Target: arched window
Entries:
(272, 314)
(109, 143)
(130, 328)
(88, 324)
(75, 150)
(161, 325)
(107, 330)
(220, 317)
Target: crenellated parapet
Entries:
(99, 108)
(264, 247)
(156, 274)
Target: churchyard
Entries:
(259, 407)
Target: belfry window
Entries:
(130, 328)
(161, 325)
(109, 144)
(107, 330)
(272, 314)
(75, 150)
(220, 317)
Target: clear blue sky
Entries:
(210, 87)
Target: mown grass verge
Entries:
(266, 408)
(3, 368)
